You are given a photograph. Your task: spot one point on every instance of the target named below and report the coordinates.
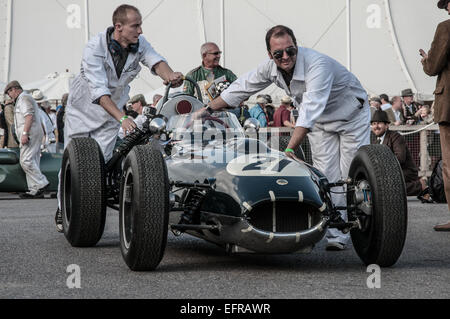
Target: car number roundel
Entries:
(265, 165)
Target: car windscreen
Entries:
(217, 126)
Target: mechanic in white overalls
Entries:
(97, 95)
(30, 134)
(333, 108)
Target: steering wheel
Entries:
(208, 118)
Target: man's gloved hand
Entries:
(176, 78)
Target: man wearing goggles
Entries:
(332, 104)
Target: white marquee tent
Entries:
(53, 86)
(378, 40)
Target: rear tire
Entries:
(144, 208)
(283, 144)
(383, 235)
(83, 190)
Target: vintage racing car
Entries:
(206, 178)
(12, 176)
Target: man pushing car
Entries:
(110, 62)
(333, 107)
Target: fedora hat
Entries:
(380, 116)
(442, 4)
(12, 84)
(38, 96)
(407, 92)
(286, 100)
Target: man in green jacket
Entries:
(209, 71)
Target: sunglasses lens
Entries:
(278, 54)
(291, 51)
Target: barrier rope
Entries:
(417, 131)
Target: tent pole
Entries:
(86, 14)
(349, 37)
(8, 40)
(397, 47)
(222, 29)
(202, 22)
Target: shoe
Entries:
(29, 195)
(59, 221)
(335, 246)
(425, 196)
(442, 227)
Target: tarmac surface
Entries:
(34, 259)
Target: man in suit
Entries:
(409, 106)
(437, 62)
(415, 186)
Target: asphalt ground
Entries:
(34, 259)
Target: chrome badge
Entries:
(282, 182)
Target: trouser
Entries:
(444, 129)
(333, 147)
(106, 137)
(30, 159)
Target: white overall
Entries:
(97, 78)
(332, 104)
(30, 154)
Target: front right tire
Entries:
(383, 233)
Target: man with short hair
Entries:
(385, 102)
(30, 133)
(111, 60)
(397, 109)
(282, 116)
(437, 62)
(156, 99)
(208, 71)
(332, 104)
(415, 186)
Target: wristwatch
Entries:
(209, 109)
(25, 133)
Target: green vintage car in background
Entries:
(12, 177)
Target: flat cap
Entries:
(138, 98)
(12, 84)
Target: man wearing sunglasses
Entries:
(332, 104)
(208, 71)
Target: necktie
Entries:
(379, 140)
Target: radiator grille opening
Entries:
(284, 216)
